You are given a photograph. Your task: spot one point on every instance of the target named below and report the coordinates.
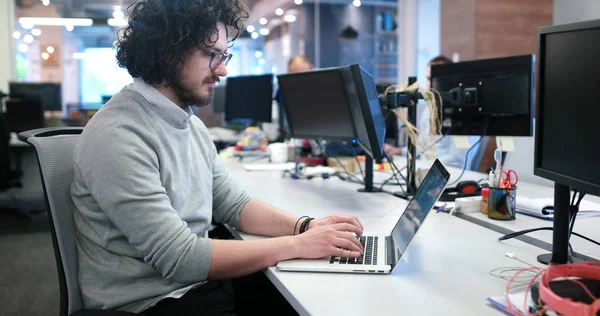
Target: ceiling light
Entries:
(28, 38)
(263, 21)
(45, 56)
(46, 2)
(264, 31)
(23, 48)
(56, 21)
(36, 32)
(258, 54)
(254, 35)
(50, 49)
(298, 2)
(279, 11)
(250, 28)
(356, 3)
(69, 28)
(117, 22)
(118, 14)
(16, 35)
(27, 25)
(289, 18)
(261, 61)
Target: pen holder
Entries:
(502, 203)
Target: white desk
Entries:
(444, 271)
(587, 227)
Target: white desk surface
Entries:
(445, 269)
(587, 226)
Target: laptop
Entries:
(382, 253)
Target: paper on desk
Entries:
(516, 300)
(461, 141)
(544, 208)
(269, 166)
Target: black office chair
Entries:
(54, 148)
(8, 177)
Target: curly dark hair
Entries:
(162, 33)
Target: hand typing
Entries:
(341, 222)
(326, 240)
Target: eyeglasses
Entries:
(216, 58)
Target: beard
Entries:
(189, 95)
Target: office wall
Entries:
(7, 53)
(335, 51)
(569, 11)
(478, 29)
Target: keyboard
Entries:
(369, 257)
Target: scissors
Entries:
(509, 179)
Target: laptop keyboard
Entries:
(369, 244)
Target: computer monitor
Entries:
(249, 98)
(24, 115)
(491, 97)
(567, 130)
(337, 103)
(218, 99)
(48, 93)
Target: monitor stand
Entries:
(561, 231)
(369, 188)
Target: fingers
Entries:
(347, 227)
(348, 241)
(345, 253)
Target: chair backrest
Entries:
(55, 148)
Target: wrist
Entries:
(289, 248)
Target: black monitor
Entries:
(334, 104)
(249, 98)
(218, 99)
(48, 93)
(567, 129)
(24, 115)
(491, 97)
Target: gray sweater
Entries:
(147, 184)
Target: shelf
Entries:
(386, 54)
(387, 66)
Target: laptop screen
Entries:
(419, 206)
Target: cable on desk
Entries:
(395, 174)
(531, 230)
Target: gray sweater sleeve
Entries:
(123, 177)
(228, 198)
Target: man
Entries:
(148, 181)
(299, 63)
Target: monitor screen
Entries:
(316, 105)
(419, 206)
(492, 97)
(249, 97)
(568, 105)
(49, 94)
(335, 104)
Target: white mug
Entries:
(278, 152)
